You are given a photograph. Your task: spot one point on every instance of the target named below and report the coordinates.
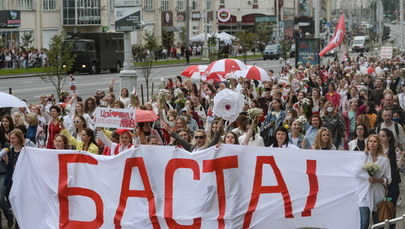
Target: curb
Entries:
(13, 76)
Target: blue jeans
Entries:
(365, 217)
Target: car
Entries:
(272, 52)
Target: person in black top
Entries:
(361, 133)
(390, 150)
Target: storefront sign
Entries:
(10, 19)
(223, 15)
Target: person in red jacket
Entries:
(332, 95)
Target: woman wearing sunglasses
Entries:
(199, 141)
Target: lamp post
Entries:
(401, 24)
(277, 22)
(187, 23)
(316, 35)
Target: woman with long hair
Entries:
(4, 205)
(311, 128)
(124, 97)
(231, 138)
(7, 124)
(323, 140)
(376, 191)
(334, 123)
(87, 143)
(281, 139)
(391, 151)
(183, 133)
(252, 136)
(61, 142)
(125, 141)
(359, 142)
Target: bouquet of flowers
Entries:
(163, 95)
(371, 168)
(255, 113)
(179, 95)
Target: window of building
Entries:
(24, 4)
(180, 5)
(209, 4)
(1, 4)
(222, 2)
(165, 5)
(148, 4)
(194, 5)
(86, 13)
(209, 29)
(255, 1)
(49, 4)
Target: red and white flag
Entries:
(337, 37)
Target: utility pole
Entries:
(401, 24)
(187, 23)
(205, 45)
(316, 35)
(277, 22)
(380, 16)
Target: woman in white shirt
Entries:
(376, 190)
(124, 98)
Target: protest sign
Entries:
(166, 187)
(386, 52)
(114, 118)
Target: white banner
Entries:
(114, 118)
(386, 52)
(166, 187)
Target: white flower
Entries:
(302, 119)
(254, 113)
(306, 101)
(178, 92)
(228, 104)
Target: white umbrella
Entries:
(7, 100)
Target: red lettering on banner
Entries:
(218, 165)
(171, 167)
(258, 189)
(313, 188)
(64, 192)
(126, 192)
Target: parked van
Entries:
(361, 44)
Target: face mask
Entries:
(329, 109)
(103, 103)
(389, 81)
(396, 119)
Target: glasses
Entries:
(359, 129)
(199, 137)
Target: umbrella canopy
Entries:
(7, 100)
(214, 77)
(226, 65)
(145, 116)
(194, 71)
(254, 73)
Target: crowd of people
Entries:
(355, 104)
(13, 58)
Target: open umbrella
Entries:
(226, 65)
(255, 73)
(7, 100)
(214, 77)
(194, 71)
(145, 116)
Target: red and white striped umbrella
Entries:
(226, 65)
(255, 73)
(194, 71)
(215, 77)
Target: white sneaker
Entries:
(399, 201)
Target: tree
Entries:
(285, 49)
(26, 40)
(60, 61)
(145, 67)
(183, 35)
(247, 40)
(167, 39)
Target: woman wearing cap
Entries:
(125, 141)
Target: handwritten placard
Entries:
(114, 118)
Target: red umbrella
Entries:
(145, 116)
(215, 77)
(194, 71)
(255, 73)
(226, 65)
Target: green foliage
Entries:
(285, 49)
(26, 40)
(151, 43)
(2, 45)
(60, 61)
(212, 48)
(183, 35)
(167, 39)
(247, 40)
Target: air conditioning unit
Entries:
(249, 2)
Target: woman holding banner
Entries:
(125, 141)
(323, 140)
(87, 143)
(376, 191)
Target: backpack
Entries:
(396, 129)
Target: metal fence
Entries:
(386, 224)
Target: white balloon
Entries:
(363, 70)
(378, 70)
